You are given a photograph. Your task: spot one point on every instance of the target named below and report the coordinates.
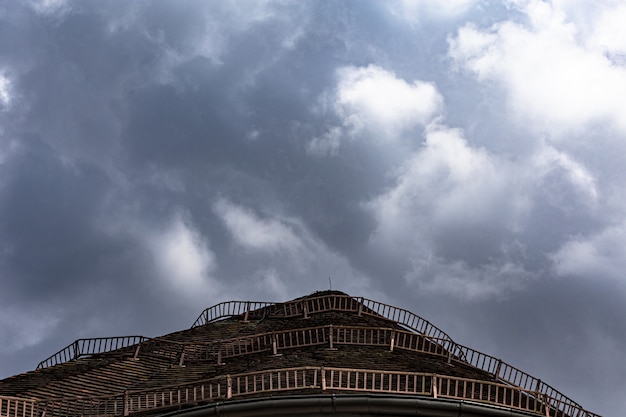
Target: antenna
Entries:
(330, 283)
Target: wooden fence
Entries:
(420, 336)
(321, 379)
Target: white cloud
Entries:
(5, 91)
(601, 256)
(254, 233)
(451, 188)
(50, 7)
(549, 160)
(182, 257)
(447, 181)
(372, 102)
(373, 98)
(556, 75)
(416, 9)
(456, 212)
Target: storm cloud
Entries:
(460, 159)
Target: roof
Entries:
(327, 343)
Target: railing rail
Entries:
(322, 379)
(17, 407)
(86, 347)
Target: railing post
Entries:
(434, 386)
(453, 346)
(330, 337)
(136, 355)
(360, 306)
(496, 374)
(229, 387)
(538, 401)
(245, 317)
(126, 405)
(393, 340)
(323, 371)
(76, 350)
(219, 355)
(305, 308)
(274, 345)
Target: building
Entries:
(324, 354)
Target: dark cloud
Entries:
(160, 157)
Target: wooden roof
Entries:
(327, 342)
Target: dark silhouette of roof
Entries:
(327, 352)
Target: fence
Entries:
(330, 379)
(437, 341)
(85, 347)
(17, 407)
(423, 337)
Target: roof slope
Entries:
(324, 343)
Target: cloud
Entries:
(5, 91)
(446, 181)
(182, 258)
(576, 177)
(495, 280)
(444, 9)
(50, 7)
(375, 99)
(269, 283)
(21, 329)
(194, 152)
(599, 256)
(254, 233)
(554, 80)
(375, 103)
(326, 144)
(448, 197)
(465, 217)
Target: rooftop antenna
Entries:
(330, 283)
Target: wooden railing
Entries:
(423, 337)
(85, 347)
(186, 352)
(17, 407)
(329, 379)
(440, 342)
(312, 305)
(232, 308)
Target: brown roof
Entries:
(327, 342)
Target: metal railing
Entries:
(86, 347)
(322, 379)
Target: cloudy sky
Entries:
(463, 159)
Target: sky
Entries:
(462, 159)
